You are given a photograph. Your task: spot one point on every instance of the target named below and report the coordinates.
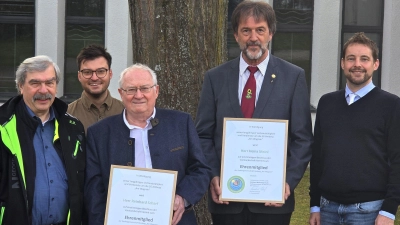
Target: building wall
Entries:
(391, 48)
(50, 35)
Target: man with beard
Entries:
(255, 85)
(355, 165)
(42, 151)
(94, 73)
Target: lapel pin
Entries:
(273, 77)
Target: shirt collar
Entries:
(148, 124)
(87, 103)
(362, 92)
(30, 112)
(262, 67)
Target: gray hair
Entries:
(35, 64)
(138, 66)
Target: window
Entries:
(17, 41)
(363, 16)
(293, 38)
(85, 23)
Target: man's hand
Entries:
(179, 209)
(383, 220)
(215, 190)
(315, 218)
(287, 194)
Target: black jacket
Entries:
(18, 167)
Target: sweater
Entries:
(356, 150)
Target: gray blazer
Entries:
(283, 97)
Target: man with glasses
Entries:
(42, 151)
(147, 137)
(94, 73)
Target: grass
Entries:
(302, 209)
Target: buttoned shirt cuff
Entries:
(314, 209)
(388, 215)
(186, 203)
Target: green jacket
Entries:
(18, 166)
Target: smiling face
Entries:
(139, 105)
(253, 38)
(39, 91)
(95, 86)
(358, 66)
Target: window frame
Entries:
(28, 19)
(79, 20)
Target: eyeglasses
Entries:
(100, 73)
(133, 91)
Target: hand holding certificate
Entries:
(254, 160)
(140, 196)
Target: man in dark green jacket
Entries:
(42, 151)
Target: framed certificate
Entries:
(253, 167)
(140, 196)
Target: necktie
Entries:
(249, 94)
(352, 96)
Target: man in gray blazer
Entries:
(278, 91)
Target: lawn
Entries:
(302, 211)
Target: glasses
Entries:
(100, 73)
(133, 91)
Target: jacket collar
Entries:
(8, 109)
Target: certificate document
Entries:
(253, 167)
(140, 196)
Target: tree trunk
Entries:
(180, 40)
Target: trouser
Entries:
(248, 218)
(333, 213)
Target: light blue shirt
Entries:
(359, 94)
(50, 200)
(244, 75)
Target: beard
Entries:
(358, 81)
(251, 54)
(95, 93)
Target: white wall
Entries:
(50, 33)
(118, 40)
(325, 48)
(390, 78)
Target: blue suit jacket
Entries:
(174, 145)
(283, 97)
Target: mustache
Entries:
(257, 43)
(358, 69)
(42, 97)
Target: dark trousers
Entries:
(248, 218)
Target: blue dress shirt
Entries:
(360, 93)
(50, 200)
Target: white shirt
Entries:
(244, 74)
(142, 150)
